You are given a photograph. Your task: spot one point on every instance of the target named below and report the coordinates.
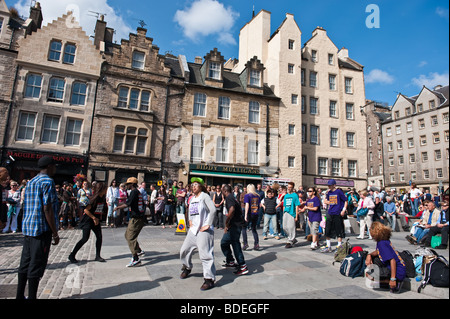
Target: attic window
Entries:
(55, 51)
(214, 70)
(255, 78)
(138, 60)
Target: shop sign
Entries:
(225, 169)
(32, 156)
(339, 182)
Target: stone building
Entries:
(280, 52)
(376, 113)
(12, 28)
(138, 104)
(322, 130)
(230, 123)
(53, 99)
(416, 141)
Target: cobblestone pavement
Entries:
(274, 272)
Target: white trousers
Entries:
(363, 221)
(204, 242)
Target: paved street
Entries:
(275, 272)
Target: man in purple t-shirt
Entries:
(337, 205)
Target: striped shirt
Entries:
(39, 191)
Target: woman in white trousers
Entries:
(200, 235)
(365, 202)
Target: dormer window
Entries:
(214, 70)
(252, 76)
(255, 78)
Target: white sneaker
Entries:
(134, 262)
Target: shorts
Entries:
(314, 228)
(334, 226)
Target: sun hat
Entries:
(132, 180)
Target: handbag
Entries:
(362, 212)
(436, 241)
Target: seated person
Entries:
(440, 228)
(388, 256)
(429, 219)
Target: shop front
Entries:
(22, 165)
(214, 175)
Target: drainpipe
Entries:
(8, 116)
(88, 153)
(166, 115)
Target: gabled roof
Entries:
(3, 7)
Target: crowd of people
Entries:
(280, 210)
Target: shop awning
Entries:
(226, 175)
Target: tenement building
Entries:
(322, 129)
(230, 123)
(12, 28)
(416, 141)
(376, 113)
(53, 99)
(138, 104)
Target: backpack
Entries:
(409, 263)
(342, 251)
(435, 273)
(354, 264)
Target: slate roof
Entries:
(231, 81)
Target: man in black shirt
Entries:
(233, 229)
(136, 205)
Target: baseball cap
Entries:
(331, 182)
(132, 180)
(45, 161)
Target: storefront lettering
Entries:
(37, 156)
(225, 169)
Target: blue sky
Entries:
(409, 49)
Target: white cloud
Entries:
(379, 76)
(53, 9)
(207, 17)
(431, 80)
(442, 12)
(422, 63)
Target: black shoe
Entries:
(72, 259)
(185, 272)
(208, 284)
(100, 259)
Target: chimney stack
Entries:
(198, 60)
(36, 16)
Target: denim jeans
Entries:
(414, 206)
(252, 219)
(392, 220)
(111, 207)
(280, 220)
(420, 233)
(270, 219)
(231, 240)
